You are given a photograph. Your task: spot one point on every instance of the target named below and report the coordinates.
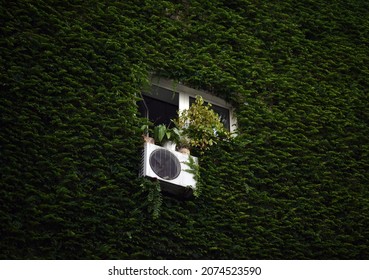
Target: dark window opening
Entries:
(162, 105)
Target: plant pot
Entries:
(148, 139)
(184, 150)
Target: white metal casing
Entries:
(184, 179)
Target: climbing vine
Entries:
(154, 196)
(292, 184)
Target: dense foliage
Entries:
(293, 184)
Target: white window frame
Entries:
(186, 92)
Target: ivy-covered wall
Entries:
(293, 184)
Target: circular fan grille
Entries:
(165, 164)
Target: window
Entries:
(162, 105)
(165, 98)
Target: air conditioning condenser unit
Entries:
(170, 168)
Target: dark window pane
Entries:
(162, 106)
(164, 95)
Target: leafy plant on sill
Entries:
(200, 126)
(162, 133)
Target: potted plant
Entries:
(183, 144)
(166, 136)
(199, 126)
(161, 135)
(146, 132)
